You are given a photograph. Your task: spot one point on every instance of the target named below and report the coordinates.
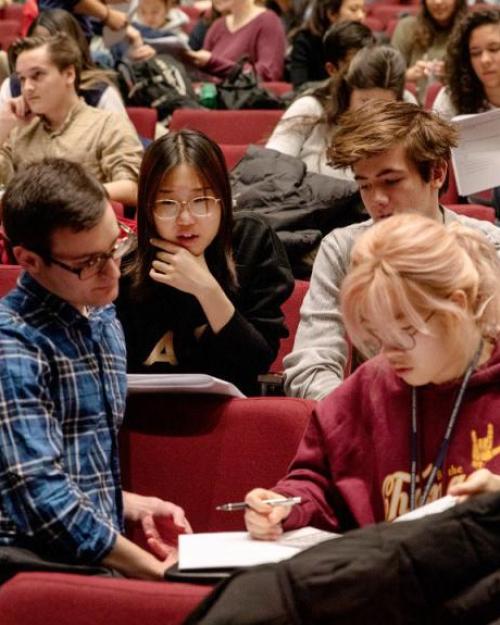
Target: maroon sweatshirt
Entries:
(352, 467)
(262, 39)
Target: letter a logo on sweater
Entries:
(163, 351)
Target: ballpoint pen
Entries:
(241, 505)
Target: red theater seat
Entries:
(144, 120)
(203, 450)
(8, 278)
(229, 127)
(50, 598)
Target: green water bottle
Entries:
(208, 95)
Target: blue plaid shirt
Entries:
(62, 397)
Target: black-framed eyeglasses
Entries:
(96, 263)
(202, 206)
(408, 339)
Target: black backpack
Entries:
(241, 90)
(160, 83)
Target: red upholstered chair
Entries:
(431, 93)
(203, 450)
(233, 154)
(8, 278)
(450, 196)
(386, 12)
(291, 310)
(13, 12)
(144, 120)
(374, 24)
(278, 87)
(49, 598)
(229, 127)
(478, 211)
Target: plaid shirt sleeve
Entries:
(36, 492)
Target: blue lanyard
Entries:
(446, 439)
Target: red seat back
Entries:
(233, 154)
(203, 450)
(291, 310)
(144, 120)
(8, 278)
(431, 93)
(229, 127)
(278, 87)
(478, 211)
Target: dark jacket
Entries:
(301, 206)
(246, 345)
(436, 571)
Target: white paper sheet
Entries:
(476, 160)
(434, 507)
(180, 383)
(220, 550)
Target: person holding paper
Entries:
(399, 154)
(472, 75)
(473, 70)
(421, 416)
(204, 289)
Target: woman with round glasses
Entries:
(421, 417)
(203, 291)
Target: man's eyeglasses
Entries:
(96, 263)
(202, 206)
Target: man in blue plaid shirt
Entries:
(63, 380)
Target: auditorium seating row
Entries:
(198, 451)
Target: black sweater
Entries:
(307, 59)
(246, 345)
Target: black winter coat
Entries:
(440, 570)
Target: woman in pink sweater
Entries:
(247, 30)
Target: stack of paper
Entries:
(224, 550)
(180, 383)
(476, 160)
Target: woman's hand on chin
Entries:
(178, 267)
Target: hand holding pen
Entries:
(263, 520)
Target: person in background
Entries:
(399, 154)
(421, 416)
(197, 35)
(306, 128)
(63, 384)
(341, 42)
(155, 19)
(49, 119)
(97, 87)
(422, 40)
(472, 71)
(307, 57)
(472, 66)
(249, 30)
(87, 10)
(203, 291)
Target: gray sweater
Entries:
(320, 352)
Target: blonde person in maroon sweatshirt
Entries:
(419, 419)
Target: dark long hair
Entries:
(372, 67)
(466, 90)
(192, 148)
(319, 20)
(428, 29)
